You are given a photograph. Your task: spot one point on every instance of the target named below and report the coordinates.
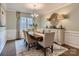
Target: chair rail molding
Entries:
(72, 38)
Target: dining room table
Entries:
(36, 35)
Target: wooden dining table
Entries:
(37, 36)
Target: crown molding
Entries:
(53, 10)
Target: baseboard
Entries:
(72, 44)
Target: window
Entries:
(26, 23)
(22, 23)
(30, 22)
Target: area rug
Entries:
(21, 50)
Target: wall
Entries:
(42, 22)
(72, 11)
(11, 20)
(71, 24)
(11, 25)
(2, 27)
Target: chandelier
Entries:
(34, 14)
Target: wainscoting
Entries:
(72, 38)
(11, 34)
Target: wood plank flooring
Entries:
(71, 51)
(10, 50)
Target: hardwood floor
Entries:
(71, 51)
(10, 50)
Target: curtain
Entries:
(18, 25)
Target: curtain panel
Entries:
(18, 25)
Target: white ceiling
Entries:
(42, 8)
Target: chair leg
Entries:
(28, 46)
(24, 40)
(26, 43)
(44, 51)
(37, 46)
(52, 49)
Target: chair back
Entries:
(48, 39)
(25, 35)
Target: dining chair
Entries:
(47, 42)
(25, 36)
(30, 41)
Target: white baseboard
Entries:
(11, 34)
(72, 38)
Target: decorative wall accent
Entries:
(53, 20)
(53, 16)
(2, 15)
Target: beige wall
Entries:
(11, 20)
(72, 23)
(11, 25)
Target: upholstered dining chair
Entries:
(47, 41)
(25, 36)
(29, 39)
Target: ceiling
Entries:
(42, 8)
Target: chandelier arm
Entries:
(34, 14)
